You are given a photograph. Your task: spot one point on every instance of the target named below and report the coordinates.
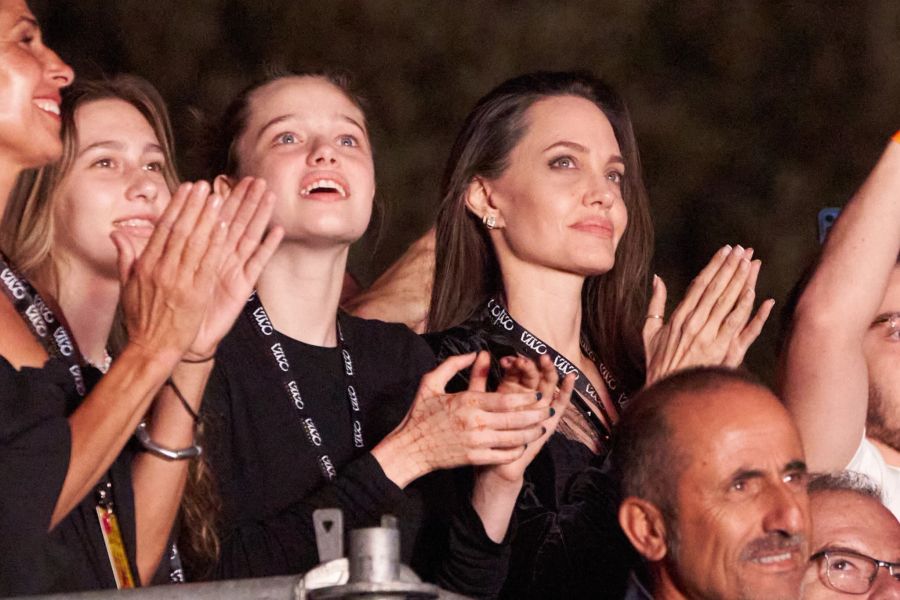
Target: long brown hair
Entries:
(26, 235)
(199, 539)
(467, 272)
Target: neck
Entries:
(8, 174)
(548, 304)
(664, 587)
(301, 288)
(88, 302)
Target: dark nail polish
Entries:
(526, 446)
(552, 411)
(539, 395)
(543, 430)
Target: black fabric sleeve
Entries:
(286, 542)
(576, 550)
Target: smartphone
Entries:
(827, 217)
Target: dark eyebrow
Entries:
(30, 20)
(114, 145)
(884, 318)
(795, 465)
(741, 474)
(272, 122)
(581, 148)
(353, 121)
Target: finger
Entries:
(198, 245)
(208, 268)
(749, 334)
(163, 227)
(730, 297)
(656, 311)
(491, 456)
(126, 255)
(480, 371)
(499, 402)
(436, 380)
(184, 225)
(251, 221)
(705, 290)
(234, 205)
(488, 438)
(701, 281)
(254, 265)
(512, 420)
(549, 378)
(530, 374)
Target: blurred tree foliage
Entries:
(751, 115)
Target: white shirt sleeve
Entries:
(869, 461)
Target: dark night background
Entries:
(750, 116)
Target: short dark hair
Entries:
(645, 460)
(845, 481)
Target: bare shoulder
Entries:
(17, 344)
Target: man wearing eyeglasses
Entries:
(841, 379)
(855, 541)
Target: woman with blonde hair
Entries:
(101, 227)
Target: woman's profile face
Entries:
(559, 201)
(31, 76)
(116, 183)
(308, 140)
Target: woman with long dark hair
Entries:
(76, 511)
(543, 248)
(309, 407)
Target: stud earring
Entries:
(489, 221)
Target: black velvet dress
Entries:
(568, 543)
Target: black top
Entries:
(267, 474)
(35, 443)
(568, 542)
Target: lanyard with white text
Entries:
(528, 344)
(57, 341)
(256, 314)
(49, 331)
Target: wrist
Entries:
(158, 363)
(398, 464)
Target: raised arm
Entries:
(159, 482)
(826, 382)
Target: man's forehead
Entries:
(843, 519)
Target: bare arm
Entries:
(159, 483)
(826, 381)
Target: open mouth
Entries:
(324, 186)
(139, 226)
(47, 105)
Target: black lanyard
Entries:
(257, 315)
(49, 330)
(527, 344)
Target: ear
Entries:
(478, 200)
(222, 185)
(642, 522)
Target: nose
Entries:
(603, 192)
(58, 72)
(322, 153)
(142, 188)
(788, 510)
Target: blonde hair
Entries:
(27, 228)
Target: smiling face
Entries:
(741, 503)
(559, 202)
(116, 181)
(844, 520)
(882, 349)
(308, 140)
(31, 76)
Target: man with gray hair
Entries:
(714, 487)
(855, 540)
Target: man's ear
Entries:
(642, 522)
(478, 201)
(222, 185)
